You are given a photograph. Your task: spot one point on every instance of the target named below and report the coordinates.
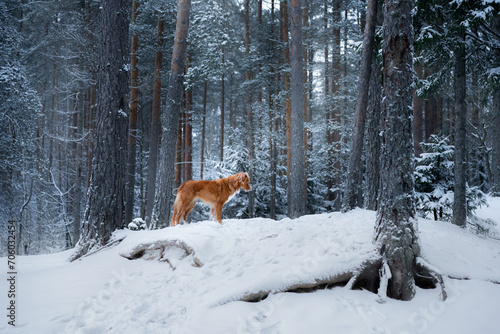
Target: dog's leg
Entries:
(177, 214)
(188, 210)
(218, 212)
(212, 213)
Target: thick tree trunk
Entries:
(396, 227)
(165, 177)
(132, 125)
(373, 128)
(155, 125)
(297, 199)
(460, 200)
(354, 170)
(105, 207)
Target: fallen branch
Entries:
(161, 246)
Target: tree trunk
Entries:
(105, 205)
(307, 90)
(495, 166)
(250, 136)
(188, 137)
(222, 111)
(132, 125)
(373, 129)
(297, 199)
(165, 178)
(272, 125)
(460, 200)
(354, 170)
(396, 233)
(155, 124)
(203, 127)
(418, 115)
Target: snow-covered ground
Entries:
(107, 293)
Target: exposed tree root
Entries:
(80, 253)
(358, 278)
(340, 279)
(164, 251)
(373, 275)
(427, 277)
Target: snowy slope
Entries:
(107, 293)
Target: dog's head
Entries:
(241, 180)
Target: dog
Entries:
(215, 193)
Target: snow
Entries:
(108, 293)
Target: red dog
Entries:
(214, 193)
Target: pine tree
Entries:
(396, 227)
(105, 208)
(297, 199)
(165, 177)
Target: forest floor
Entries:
(197, 276)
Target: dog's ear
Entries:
(243, 177)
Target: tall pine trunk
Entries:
(495, 180)
(460, 200)
(170, 118)
(396, 226)
(105, 207)
(297, 197)
(132, 125)
(354, 170)
(250, 135)
(155, 125)
(373, 128)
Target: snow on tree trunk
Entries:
(170, 118)
(134, 103)
(373, 139)
(297, 198)
(155, 124)
(460, 200)
(396, 226)
(249, 112)
(105, 207)
(496, 144)
(354, 170)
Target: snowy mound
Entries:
(193, 278)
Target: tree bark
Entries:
(165, 177)
(272, 126)
(250, 135)
(105, 207)
(418, 115)
(297, 199)
(396, 233)
(495, 166)
(132, 125)
(188, 137)
(354, 170)
(155, 124)
(373, 128)
(203, 127)
(460, 200)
